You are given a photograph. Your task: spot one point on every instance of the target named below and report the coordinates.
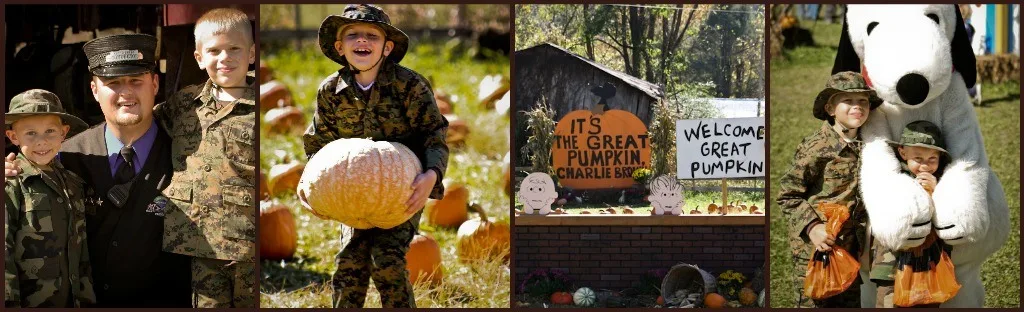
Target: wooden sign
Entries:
(720, 148)
(599, 151)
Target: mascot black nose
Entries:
(912, 89)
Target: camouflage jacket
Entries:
(400, 108)
(825, 170)
(47, 258)
(213, 152)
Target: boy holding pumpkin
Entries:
(371, 96)
(826, 170)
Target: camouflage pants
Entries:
(378, 254)
(223, 284)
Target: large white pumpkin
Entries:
(359, 182)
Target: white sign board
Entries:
(720, 148)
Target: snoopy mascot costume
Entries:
(918, 59)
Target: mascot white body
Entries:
(917, 58)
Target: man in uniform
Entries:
(126, 160)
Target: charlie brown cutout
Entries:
(537, 192)
(666, 195)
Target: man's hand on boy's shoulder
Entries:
(11, 168)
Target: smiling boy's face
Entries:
(39, 137)
(363, 45)
(226, 57)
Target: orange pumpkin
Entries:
(481, 239)
(747, 296)
(714, 301)
(443, 101)
(712, 208)
(278, 238)
(359, 182)
(618, 128)
(284, 177)
(753, 209)
(274, 94)
(264, 74)
(423, 260)
(458, 130)
(285, 120)
(450, 211)
(561, 297)
(660, 301)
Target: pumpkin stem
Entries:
(474, 207)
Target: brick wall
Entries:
(616, 257)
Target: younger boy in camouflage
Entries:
(212, 126)
(47, 257)
(923, 155)
(371, 96)
(825, 170)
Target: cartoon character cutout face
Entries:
(537, 192)
(666, 195)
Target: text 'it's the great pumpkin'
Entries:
(361, 183)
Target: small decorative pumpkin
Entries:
(712, 208)
(714, 301)
(747, 296)
(585, 212)
(424, 260)
(660, 301)
(627, 210)
(754, 209)
(359, 182)
(562, 298)
(285, 120)
(450, 211)
(284, 177)
(278, 238)
(584, 297)
(274, 94)
(481, 239)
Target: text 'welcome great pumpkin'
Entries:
(599, 151)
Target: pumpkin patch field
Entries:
(467, 254)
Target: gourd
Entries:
(278, 237)
(450, 211)
(584, 297)
(424, 260)
(714, 301)
(483, 240)
(747, 296)
(359, 182)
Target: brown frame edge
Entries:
(640, 220)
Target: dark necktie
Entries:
(126, 171)
(118, 194)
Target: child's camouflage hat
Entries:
(922, 133)
(847, 81)
(40, 102)
(361, 13)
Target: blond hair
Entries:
(222, 20)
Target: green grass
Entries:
(305, 280)
(795, 81)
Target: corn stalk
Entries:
(541, 125)
(662, 135)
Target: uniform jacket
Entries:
(47, 258)
(129, 266)
(214, 159)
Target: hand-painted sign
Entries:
(599, 151)
(720, 148)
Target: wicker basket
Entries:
(682, 275)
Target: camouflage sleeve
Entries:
(794, 192)
(12, 291)
(321, 131)
(164, 112)
(427, 119)
(86, 295)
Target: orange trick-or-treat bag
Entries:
(831, 272)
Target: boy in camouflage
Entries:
(922, 150)
(47, 257)
(826, 170)
(371, 96)
(212, 213)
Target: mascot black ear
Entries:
(963, 56)
(846, 57)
